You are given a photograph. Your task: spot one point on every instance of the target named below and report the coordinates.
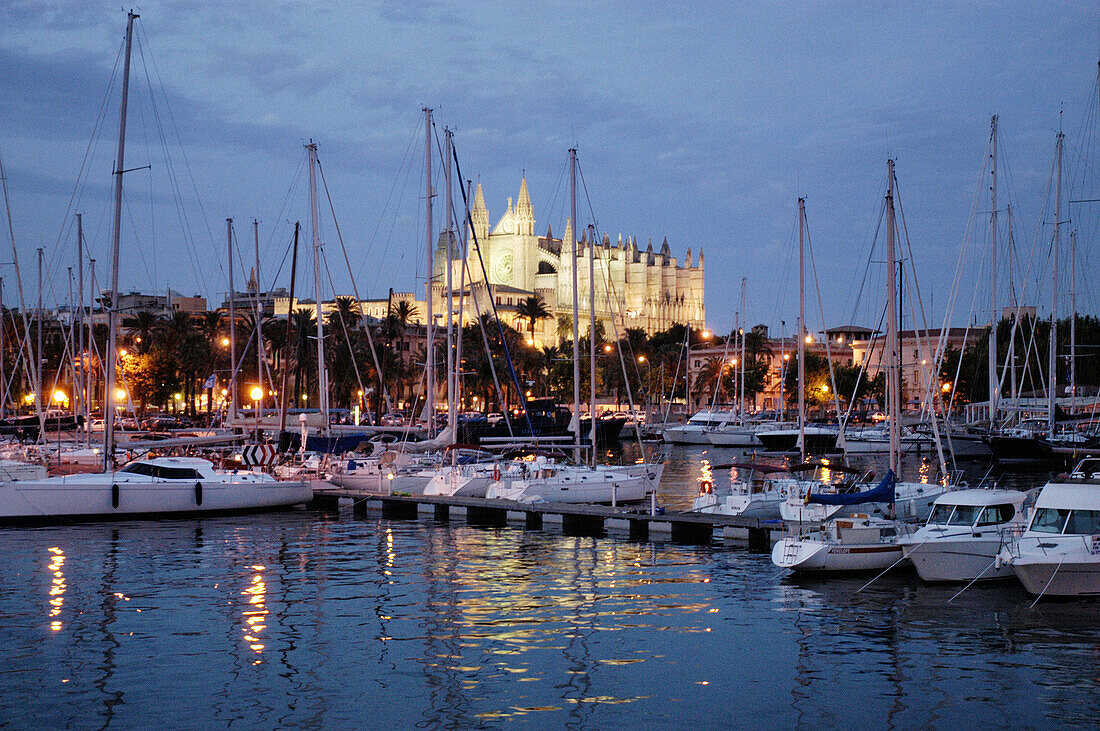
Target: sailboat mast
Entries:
(449, 298)
(322, 370)
(1013, 391)
(1052, 363)
(38, 337)
(462, 294)
(1073, 318)
(112, 337)
(259, 314)
(232, 324)
(429, 399)
(801, 329)
(572, 227)
(994, 381)
(81, 386)
(744, 321)
(592, 339)
(893, 393)
(72, 348)
(289, 320)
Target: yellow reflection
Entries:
(255, 614)
(57, 585)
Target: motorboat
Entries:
(1026, 442)
(819, 501)
(965, 532)
(544, 480)
(852, 544)
(754, 495)
(697, 428)
(148, 487)
(462, 480)
(1059, 553)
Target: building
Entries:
(634, 287)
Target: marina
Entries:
(302, 425)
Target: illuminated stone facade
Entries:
(635, 287)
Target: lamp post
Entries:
(257, 395)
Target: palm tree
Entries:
(144, 325)
(303, 333)
(565, 328)
(532, 309)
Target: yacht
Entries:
(852, 544)
(148, 487)
(542, 479)
(876, 440)
(698, 426)
(964, 534)
(755, 495)
(1059, 553)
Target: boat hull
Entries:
(58, 499)
(818, 556)
(958, 559)
(1049, 578)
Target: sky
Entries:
(699, 122)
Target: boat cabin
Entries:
(977, 508)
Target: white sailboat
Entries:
(165, 486)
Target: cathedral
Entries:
(634, 287)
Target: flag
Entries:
(210, 381)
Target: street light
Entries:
(225, 342)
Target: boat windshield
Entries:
(941, 514)
(964, 515)
(1049, 520)
(1083, 522)
(162, 472)
(996, 514)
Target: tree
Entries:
(532, 309)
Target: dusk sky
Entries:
(700, 123)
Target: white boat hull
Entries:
(761, 505)
(959, 559)
(815, 555)
(1051, 578)
(733, 439)
(76, 497)
(621, 489)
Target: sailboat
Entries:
(147, 487)
(858, 541)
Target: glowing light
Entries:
(257, 393)
(531, 341)
(59, 396)
(225, 342)
(946, 387)
(786, 356)
(607, 348)
(641, 359)
(120, 394)
(57, 585)
(178, 396)
(824, 388)
(809, 339)
(123, 353)
(29, 398)
(706, 334)
(305, 397)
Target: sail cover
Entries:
(884, 493)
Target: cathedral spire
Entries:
(525, 214)
(480, 217)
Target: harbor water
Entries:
(302, 619)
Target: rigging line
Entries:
(389, 197)
(609, 287)
(344, 326)
(821, 312)
(170, 169)
(867, 265)
(936, 394)
(355, 288)
(133, 228)
(183, 152)
(88, 150)
(492, 303)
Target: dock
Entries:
(634, 523)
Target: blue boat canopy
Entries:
(883, 493)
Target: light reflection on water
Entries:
(304, 620)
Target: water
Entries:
(298, 619)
